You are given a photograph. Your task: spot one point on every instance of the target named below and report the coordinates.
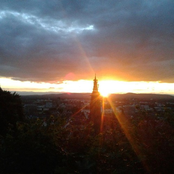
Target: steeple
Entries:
(95, 107)
(95, 87)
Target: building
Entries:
(95, 107)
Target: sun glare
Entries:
(106, 87)
(104, 93)
(103, 88)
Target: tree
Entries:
(11, 111)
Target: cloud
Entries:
(46, 41)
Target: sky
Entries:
(59, 45)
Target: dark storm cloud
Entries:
(46, 40)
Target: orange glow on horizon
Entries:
(106, 87)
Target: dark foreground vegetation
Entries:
(61, 145)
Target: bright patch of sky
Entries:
(43, 23)
(109, 86)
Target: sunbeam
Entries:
(102, 116)
(127, 127)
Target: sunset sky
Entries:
(58, 46)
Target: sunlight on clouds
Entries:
(136, 87)
(8, 83)
(80, 29)
(65, 86)
(50, 25)
(106, 87)
(78, 86)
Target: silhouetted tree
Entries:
(11, 111)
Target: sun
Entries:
(103, 89)
(104, 93)
(107, 87)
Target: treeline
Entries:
(62, 145)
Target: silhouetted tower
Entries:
(95, 107)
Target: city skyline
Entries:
(59, 46)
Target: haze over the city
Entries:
(58, 46)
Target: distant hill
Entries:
(128, 96)
(60, 95)
(142, 96)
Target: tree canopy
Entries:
(11, 111)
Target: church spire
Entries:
(95, 87)
(95, 107)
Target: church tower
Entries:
(95, 107)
